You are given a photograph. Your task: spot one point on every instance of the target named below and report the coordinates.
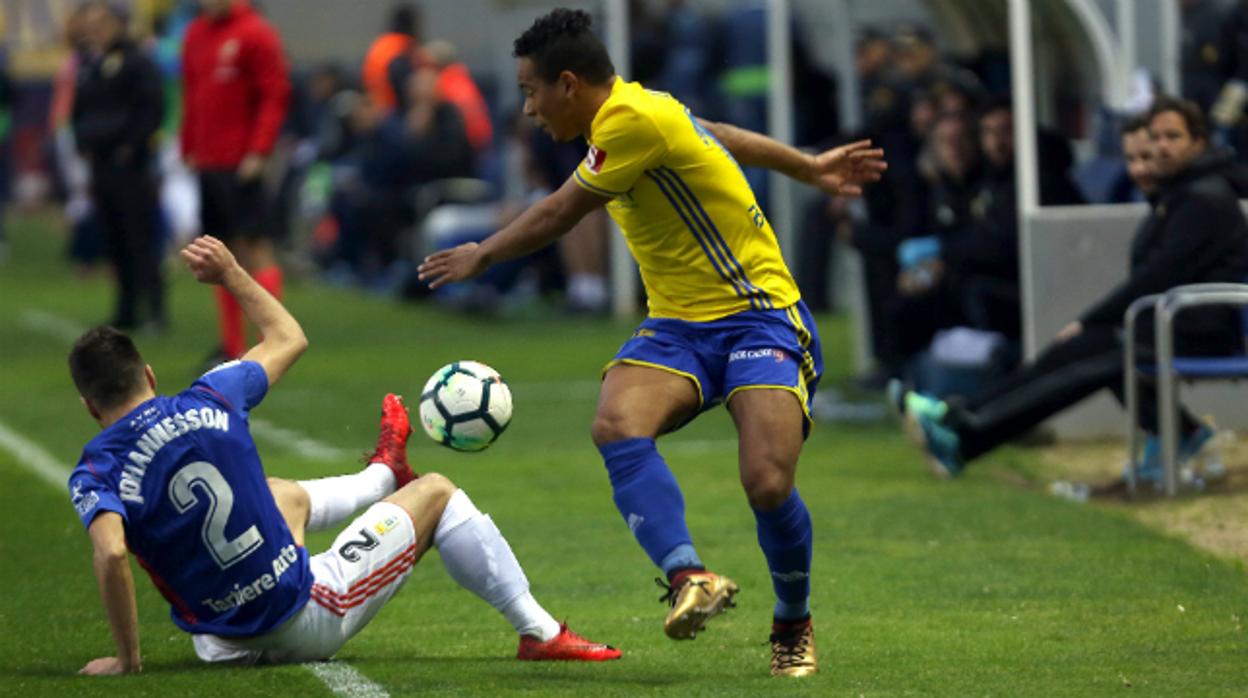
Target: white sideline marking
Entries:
(344, 680)
(338, 677)
(32, 456)
(300, 443)
(51, 325)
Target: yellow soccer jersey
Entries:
(704, 247)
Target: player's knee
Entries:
(288, 493)
(436, 483)
(767, 490)
(429, 491)
(610, 427)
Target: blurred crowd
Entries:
(353, 172)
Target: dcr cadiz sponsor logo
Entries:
(746, 354)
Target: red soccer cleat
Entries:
(392, 440)
(567, 646)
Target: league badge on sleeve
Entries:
(595, 159)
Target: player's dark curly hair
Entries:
(106, 367)
(563, 40)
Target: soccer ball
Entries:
(465, 406)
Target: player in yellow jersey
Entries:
(726, 321)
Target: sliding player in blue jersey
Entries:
(176, 480)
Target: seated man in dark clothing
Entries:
(1196, 232)
(925, 302)
(422, 140)
(982, 258)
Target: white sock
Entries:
(478, 558)
(333, 500)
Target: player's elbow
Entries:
(298, 342)
(291, 340)
(110, 554)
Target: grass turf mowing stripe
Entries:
(340, 678)
(55, 326)
(34, 458)
(296, 441)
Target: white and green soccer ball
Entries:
(465, 405)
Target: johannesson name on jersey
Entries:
(159, 434)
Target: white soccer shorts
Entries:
(367, 565)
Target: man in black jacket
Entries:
(117, 109)
(1195, 233)
(981, 259)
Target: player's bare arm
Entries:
(112, 572)
(839, 171)
(283, 340)
(540, 225)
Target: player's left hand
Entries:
(843, 171)
(105, 666)
(456, 264)
(208, 259)
(251, 167)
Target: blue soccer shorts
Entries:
(753, 349)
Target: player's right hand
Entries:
(456, 264)
(106, 666)
(208, 259)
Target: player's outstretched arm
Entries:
(112, 572)
(541, 224)
(282, 339)
(840, 171)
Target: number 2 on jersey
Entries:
(205, 478)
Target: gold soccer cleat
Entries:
(793, 650)
(695, 597)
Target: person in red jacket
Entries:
(456, 86)
(236, 93)
(401, 40)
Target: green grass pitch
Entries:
(920, 587)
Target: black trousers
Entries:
(126, 206)
(1064, 374)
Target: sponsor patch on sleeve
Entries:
(595, 159)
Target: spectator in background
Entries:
(896, 209)
(117, 110)
(455, 86)
(395, 151)
(86, 245)
(689, 38)
(582, 252)
(8, 101)
(401, 40)
(982, 259)
(926, 298)
(236, 94)
(1203, 55)
(330, 103)
(883, 105)
(1196, 232)
(920, 66)
(1227, 111)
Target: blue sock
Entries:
(785, 536)
(650, 501)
